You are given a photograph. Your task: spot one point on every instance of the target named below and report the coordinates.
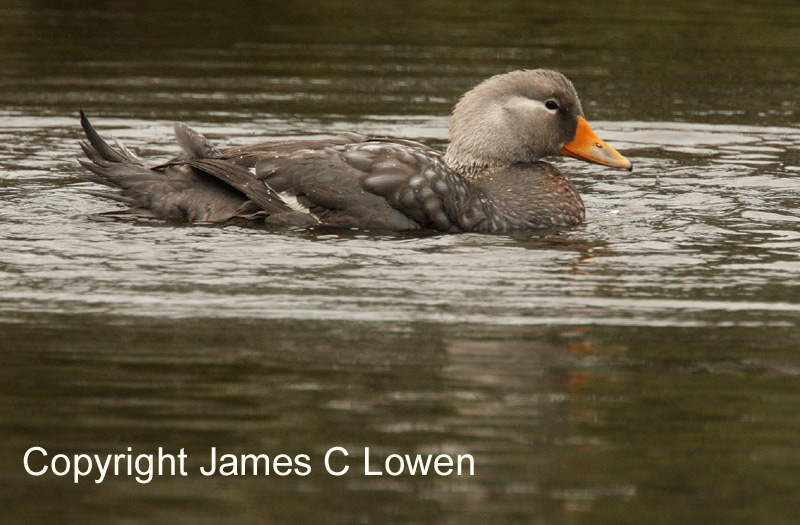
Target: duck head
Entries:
(520, 117)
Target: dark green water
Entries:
(641, 368)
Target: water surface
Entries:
(640, 367)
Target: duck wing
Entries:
(373, 183)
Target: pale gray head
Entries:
(516, 117)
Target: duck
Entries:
(490, 179)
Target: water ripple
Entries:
(697, 235)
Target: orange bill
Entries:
(588, 146)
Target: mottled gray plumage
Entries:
(490, 180)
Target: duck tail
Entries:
(109, 166)
(174, 189)
(98, 149)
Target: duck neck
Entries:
(470, 167)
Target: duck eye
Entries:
(551, 105)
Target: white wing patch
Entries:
(293, 203)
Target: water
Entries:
(640, 367)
